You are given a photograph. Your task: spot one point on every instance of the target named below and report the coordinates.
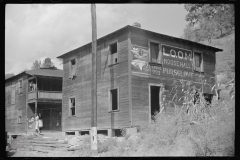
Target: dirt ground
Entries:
(50, 146)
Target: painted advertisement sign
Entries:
(140, 60)
(176, 63)
(174, 57)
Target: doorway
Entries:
(153, 100)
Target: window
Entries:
(72, 68)
(198, 62)
(113, 48)
(13, 94)
(19, 116)
(113, 100)
(72, 106)
(155, 54)
(20, 86)
(113, 54)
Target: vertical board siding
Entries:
(140, 85)
(11, 110)
(109, 77)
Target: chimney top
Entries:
(136, 24)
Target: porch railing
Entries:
(32, 95)
(50, 94)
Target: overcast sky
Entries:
(36, 31)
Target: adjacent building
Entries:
(30, 92)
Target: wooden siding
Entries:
(11, 110)
(140, 83)
(109, 77)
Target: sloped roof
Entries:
(46, 72)
(129, 28)
(41, 72)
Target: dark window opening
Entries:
(114, 99)
(73, 62)
(113, 48)
(155, 107)
(154, 51)
(72, 107)
(20, 86)
(72, 68)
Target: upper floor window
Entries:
(113, 53)
(20, 86)
(198, 61)
(19, 116)
(72, 106)
(72, 68)
(155, 54)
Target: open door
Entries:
(154, 100)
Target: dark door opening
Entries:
(155, 107)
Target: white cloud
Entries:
(37, 31)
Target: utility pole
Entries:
(94, 83)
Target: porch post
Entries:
(35, 106)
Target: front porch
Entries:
(50, 113)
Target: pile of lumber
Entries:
(44, 145)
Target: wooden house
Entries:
(30, 92)
(132, 66)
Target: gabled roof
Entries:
(131, 28)
(41, 72)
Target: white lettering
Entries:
(180, 52)
(164, 53)
(171, 52)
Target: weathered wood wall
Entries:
(11, 110)
(140, 84)
(109, 77)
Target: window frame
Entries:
(194, 65)
(69, 107)
(19, 121)
(70, 68)
(110, 100)
(159, 60)
(115, 55)
(20, 89)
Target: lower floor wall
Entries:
(145, 97)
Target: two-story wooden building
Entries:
(132, 65)
(30, 92)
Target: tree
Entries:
(8, 75)
(215, 17)
(36, 64)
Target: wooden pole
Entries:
(94, 83)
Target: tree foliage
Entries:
(36, 64)
(207, 21)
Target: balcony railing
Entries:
(45, 95)
(50, 94)
(32, 95)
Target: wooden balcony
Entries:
(55, 95)
(50, 94)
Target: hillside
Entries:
(225, 61)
